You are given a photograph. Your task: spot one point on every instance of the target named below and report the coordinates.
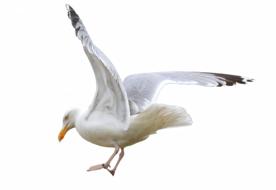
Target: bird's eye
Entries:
(66, 118)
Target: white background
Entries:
(44, 73)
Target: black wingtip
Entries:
(72, 15)
(231, 80)
(250, 80)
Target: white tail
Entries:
(157, 116)
(164, 116)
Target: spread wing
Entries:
(142, 89)
(111, 96)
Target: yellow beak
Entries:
(62, 132)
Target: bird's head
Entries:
(68, 123)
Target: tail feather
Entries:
(160, 116)
(172, 116)
(157, 116)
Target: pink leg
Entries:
(121, 155)
(106, 164)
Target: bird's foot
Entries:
(106, 165)
(111, 171)
(98, 167)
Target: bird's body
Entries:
(124, 112)
(109, 131)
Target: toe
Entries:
(112, 172)
(96, 167)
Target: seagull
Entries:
(124, 112)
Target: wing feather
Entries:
(111, 96)
(143, 88)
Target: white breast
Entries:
(100, 128)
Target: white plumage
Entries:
(124, 113)
(105, 130)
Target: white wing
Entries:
(111, 96)
(142, 89)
